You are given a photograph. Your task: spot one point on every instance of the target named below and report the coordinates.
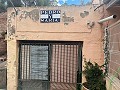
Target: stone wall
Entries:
(3, 75)
(3, 30)
(113, 79)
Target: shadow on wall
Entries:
(3, 76)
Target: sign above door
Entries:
(50, 16)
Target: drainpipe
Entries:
(107, 19)
(106, 43)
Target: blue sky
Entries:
(70, 2)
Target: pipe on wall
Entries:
(107, 19)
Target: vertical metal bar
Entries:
(49, 55)
(19, 67)
(60, 61)
(73, 64)
(37, 57)
(66, 63)
(76, 66)
(29, 62)
(23, 61)
(51, 61)
(69, 62)
(79, 72)
(26, 58)
(80, 59)
(42, 62)
(20, 62)
(76, 62)
(55, 64)
(63, 62)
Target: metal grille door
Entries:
(48, 65)
(33, 68)
(64, 66)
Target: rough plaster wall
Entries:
(73, 27)
(11, 52)
(12, 65)
(76, 31)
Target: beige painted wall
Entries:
(26, 26)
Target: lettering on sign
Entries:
(49, 16)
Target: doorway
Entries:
(48, 65)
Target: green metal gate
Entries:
(49, 65)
